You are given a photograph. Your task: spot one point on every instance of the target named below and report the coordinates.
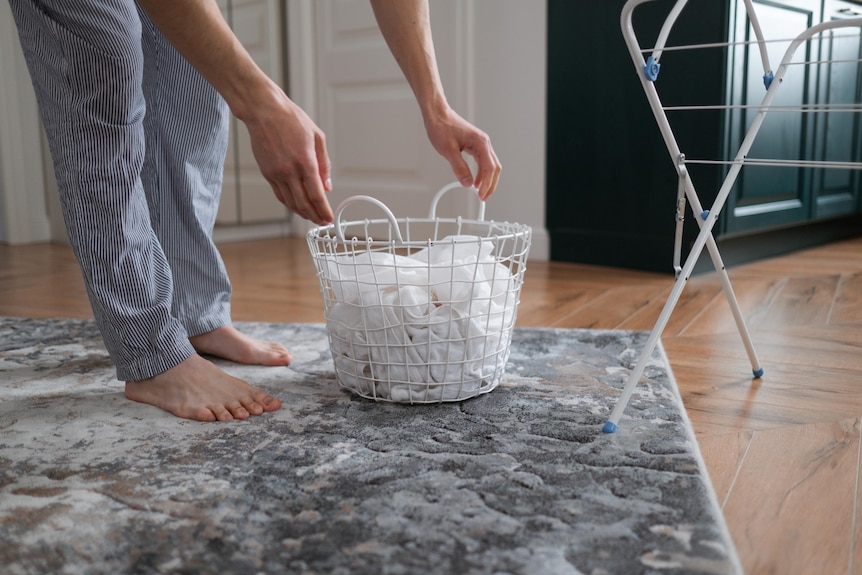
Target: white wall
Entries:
(509, 104)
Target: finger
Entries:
(461, 170)
(497, 175)
(308, 200)
(497, 168)
(488, 172)
(283, 195)
(315, 195)
(301, 200)
(292, 194)
(323, 163)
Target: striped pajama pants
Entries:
(138, 140)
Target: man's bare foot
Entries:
(227, 343)
(197, 389)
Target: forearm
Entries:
(212, 48)
(406, 26)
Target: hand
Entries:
(291, 153)
(406, 25)
(289, 148)
(451, 135)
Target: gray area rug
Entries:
(520, 480)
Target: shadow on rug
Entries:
(520, 480)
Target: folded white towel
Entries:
(433, 326)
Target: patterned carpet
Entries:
(520, 480)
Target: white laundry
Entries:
(433, 326)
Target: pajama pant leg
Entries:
(86, 63)
(187, 134)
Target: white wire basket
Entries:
(419, 310)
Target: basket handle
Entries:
(339, 230)
(432, 214)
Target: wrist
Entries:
(435, 108)
(250, 95)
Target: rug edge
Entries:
(732, 554)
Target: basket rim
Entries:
(327, 233)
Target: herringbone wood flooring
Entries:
(783, 452)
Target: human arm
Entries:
(406, 26)
(289, 147)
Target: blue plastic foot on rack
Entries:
(758, 373)
(768, 78)
(704, 214)
(609, 427)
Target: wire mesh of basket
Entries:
(419, 310)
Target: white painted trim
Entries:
(508, 46)
(540, 244)
(462, 96)
(246, 232)
(23, 207)
(466, 24)
(301, 76)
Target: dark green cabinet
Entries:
(611, 182)
(839, 136)
(770, 196)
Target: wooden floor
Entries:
(783, 452)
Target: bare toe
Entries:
(221, 413)
(202, 414)
(238, 411)
(253, 407)
(266, 401)
(197, 389)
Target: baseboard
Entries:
(622, 250)
(227, 234)
(653, 253)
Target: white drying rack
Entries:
(647, 65)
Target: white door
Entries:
(247, 197)
(375, 136)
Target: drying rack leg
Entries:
(727, 288)
(705, 239)
(635, 376)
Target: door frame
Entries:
(24, 213)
